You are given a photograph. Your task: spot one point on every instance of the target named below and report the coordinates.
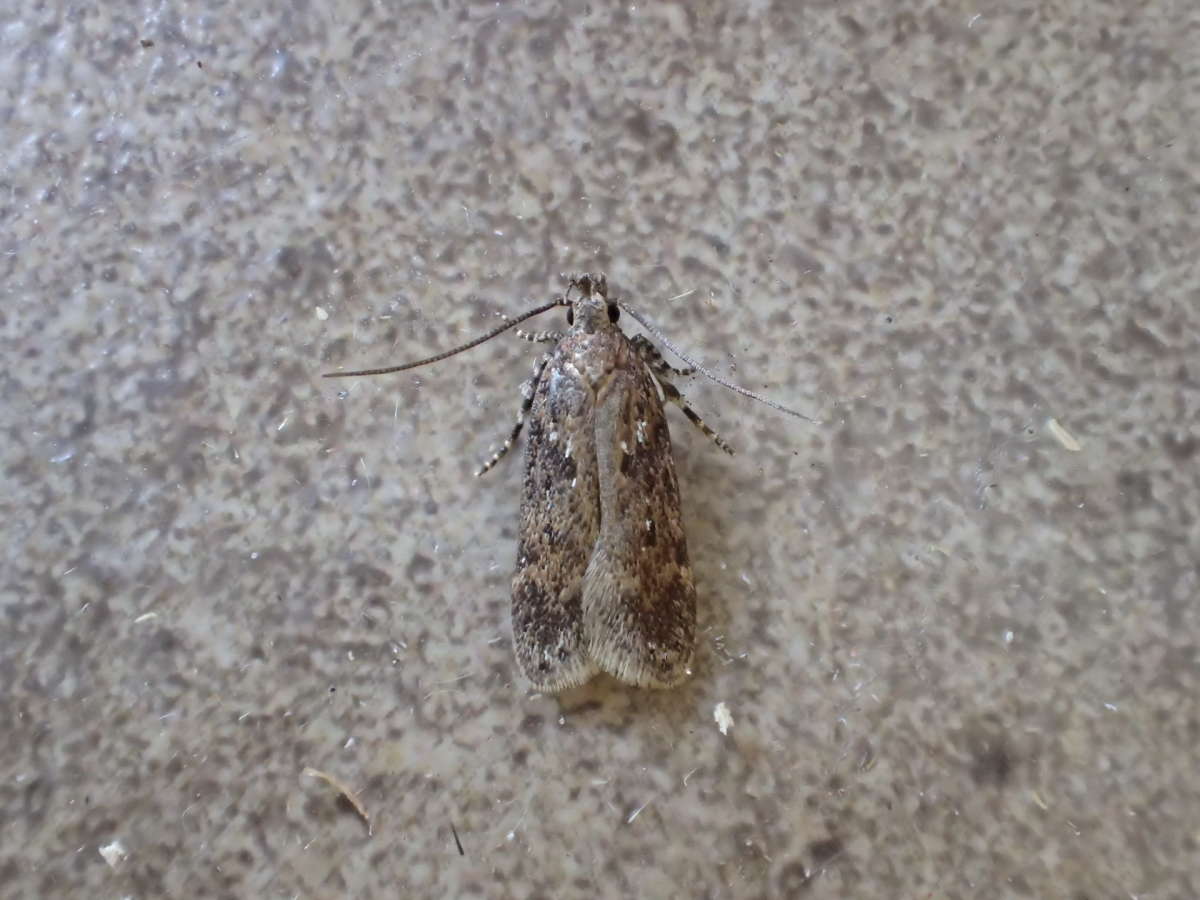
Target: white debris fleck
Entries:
(641, 431)
(1063, 436)
(321, 313)
(115, 853)
(637, 812)
(723, 717)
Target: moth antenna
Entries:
(654, 330)
(510, 323)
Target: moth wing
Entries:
(639, 598)
(559, 523)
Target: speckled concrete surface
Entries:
(959, 646)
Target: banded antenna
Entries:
(511, 323)
(657, 332)
(562, 300)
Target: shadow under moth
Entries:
(603, 582)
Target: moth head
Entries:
(591, 304)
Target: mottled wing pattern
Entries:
(560, 521)
(639, 599)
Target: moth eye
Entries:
(614, 312)
(570, 315)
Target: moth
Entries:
(603, 582)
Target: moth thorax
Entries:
(590, 313)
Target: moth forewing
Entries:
(639, 596)
(559, 525)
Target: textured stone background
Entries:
(961, 658)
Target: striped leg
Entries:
(650, 355)
(527, 390)
(672, 393)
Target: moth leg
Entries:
(527, 390)
(672, 393)
(540, 337)
(654, 359)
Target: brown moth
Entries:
(603, 582)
